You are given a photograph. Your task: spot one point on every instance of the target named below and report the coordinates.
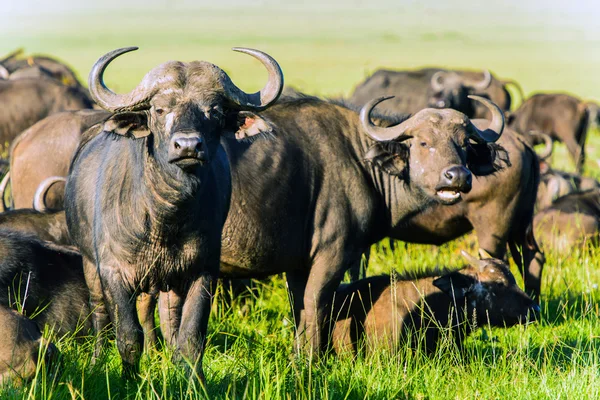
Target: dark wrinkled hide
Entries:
(413, 92)
(570, 221)
(565, 118)
(45, 150)
(389, 312)
(56, 293)
(308, 203)
(20, 347)
(26, 101)
(392, 312)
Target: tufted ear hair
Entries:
(130, 124)
(455, 284)
(392, 158)
(247, 125)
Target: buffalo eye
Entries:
(423, 144)
(159, 111)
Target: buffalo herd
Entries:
(117, 206)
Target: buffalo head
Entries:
(491, 292)
(450, 90)
(430, 149)
(185, 107)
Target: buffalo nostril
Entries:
(448, 174)
(199, 146)
(177, 146)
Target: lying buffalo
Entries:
(44, 150)
(38, 65)
(433, 87)
(44, 280)
(21, 347)
(555, 184)
(26, 101)
(565, 118)
(392, 312)
(570, 221)
(149, 189)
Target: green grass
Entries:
(250, 344)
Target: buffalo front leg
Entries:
(100, 317)
(296, 282)
(194, 322)
(324, 278)
(122, 305)
(169, 312)
(146, 305)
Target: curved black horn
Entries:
(39, 198)
(135, 100)
(268, 94)
(494, 131)
(376, 132)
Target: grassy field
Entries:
(250, 343)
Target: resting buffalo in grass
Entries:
(555, 184)
(45, 280)
(148, 193)
(565, 118)
(433, 87)
(26, 101)
(14, 66)
(21, 346)
(392, 312)
(45, 150)
(570, 221)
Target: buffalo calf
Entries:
(388, 312)
(20, 347)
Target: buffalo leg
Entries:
(194, 321)
(122, 306)
(530, 263)
(146, 305)
(169, 311)
(100, 317)
(325, 277)
(296, 281)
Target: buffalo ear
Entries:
(388, 160)
(454, 284)
(245, 124)
(134, 124)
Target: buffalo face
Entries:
(429, 150)
(450, 90)
(186, 108)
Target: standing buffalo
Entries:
(433, 87)
(45, 150)
(565, 118)
(330, 183)
(26, 101)
(149, 189)
(391, 312)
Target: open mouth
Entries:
(448, 195)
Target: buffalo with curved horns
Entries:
(149, 189)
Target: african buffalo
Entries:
(565, 118)
(329, 184)
(26, 101)
(570, 221)
(393, 311)
(45, 280)
(432, 87)
(21, 346)
(45, 150)
(38, 66)
(148, 193)
(555, 184)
